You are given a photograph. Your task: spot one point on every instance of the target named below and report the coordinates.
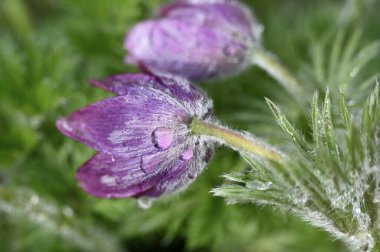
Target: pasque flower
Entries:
(153, 138)
(142, 135)
(202, 39)
(196, 39)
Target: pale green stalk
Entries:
(234, 139)
(268, 62)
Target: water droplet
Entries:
(300, 199)
(211, 69)
(108, 180)
(234, 52)
(145, 202)
(187, 154)
(357, 210)
(230, 50)
(162, 138)
(354, 72)
(232, 201)
(150, 163)
(259, 185)
(376, 199)
(143, 164)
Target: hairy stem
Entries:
(268, 62)
(235, 139)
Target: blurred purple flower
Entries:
(196, 39)
(144, 145)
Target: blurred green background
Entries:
(48, 51)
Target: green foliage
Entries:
(339, 62)
(330, 180)
(47, 219)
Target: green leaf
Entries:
(287, 127)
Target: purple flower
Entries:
(196, 39)
(144, 145)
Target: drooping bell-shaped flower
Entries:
(196, 39)
(142, 135)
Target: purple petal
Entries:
(110, 176)
(171, 180)
(114, 177)
(123, 125)
(176, 87)
(119, 84)
(220, 13)
(170, 44)
(153, 162)
(182, 173)
(167, 9)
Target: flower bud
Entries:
(195, 39)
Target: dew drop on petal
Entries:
(108, 180)
(145, 202)
(144, 164)
(230, 50)
(187, 154)
(234, 52)
(162, 138)
(150, 163)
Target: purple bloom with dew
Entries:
(196, 39)
(145, 147)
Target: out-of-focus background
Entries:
(49, 49)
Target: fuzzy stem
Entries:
(234, 138)
(268, 62)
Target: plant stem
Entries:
(235, 139)
(273, 67)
